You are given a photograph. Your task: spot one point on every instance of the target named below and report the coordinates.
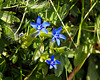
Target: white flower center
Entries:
(56, 35)
(52, 62)
(39, 27)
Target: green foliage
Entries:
(52, 77)
(97, 28)
(38, 7)
(93, 69)
(1, 45)
(24, 57)
(8, 31)
(8, 17)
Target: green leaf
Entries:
(97, 6)
(93, 68)
(1, 1)
(37, 54)
(59, 69)
(45, 35)
(85, 48)
(64, 10)
(6, 5)
(29, 39)
(69, 52)
(0, 34)
(22, 54)
(9, 4)
(75, 11)
(1, 75)
(97, 24)
(3, 66)
(39, 7)
(0, 78)
(8, 17)
(52, 16)
(15, 58)
(67, 64)
(80, 55)
(8, 31)
(44, 68)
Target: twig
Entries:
(73, 72)
(31, 73)
(22, 19)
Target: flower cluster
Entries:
(38, 26)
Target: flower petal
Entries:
(34, 25)
(57, 62)
(62, 36)
(37, 34)
(44, 30)
(50, 67)
(58, 42)
(38, 21)
(45, 24)
(55, 66)
(53, 39)
(48, 62)
(54, 31)
(21, 34)
(52, 58)
(58, 30)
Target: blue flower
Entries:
(40, 26)
(56, 35)
(52, 63)
(21, 34)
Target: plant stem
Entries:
(21, 74)
(90, 10)
(82, 19)
(22, 19)
(71, 7)
(62, 22)
(79, 32)
(31, 73)
(76, 69)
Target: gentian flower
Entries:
(40, 26)
(56, 35)
(21, 34)
(52, 63)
